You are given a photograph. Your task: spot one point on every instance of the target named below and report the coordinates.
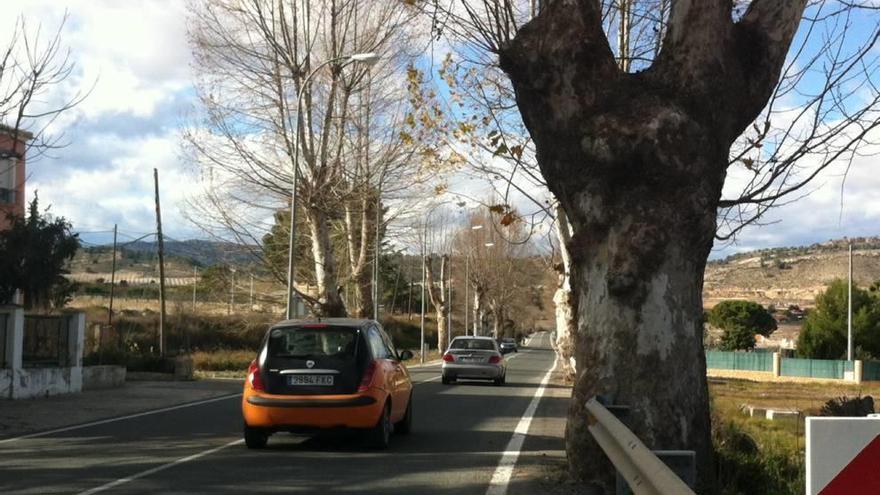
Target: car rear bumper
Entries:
(479, 371)
(289, 412)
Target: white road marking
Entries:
(428, 380)
(121, 418)
(156, 469)
(501, 477)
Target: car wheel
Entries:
(255, 438)
(404, 426)
(447, 380)
(499, 381)
(380, 435)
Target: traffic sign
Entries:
(843, 455)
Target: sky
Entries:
(135, 53)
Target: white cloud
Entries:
(134, 53)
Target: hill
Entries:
(138, 262)
(790, 275)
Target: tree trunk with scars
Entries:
(638, 162)
(438, 297)
(564, 300)
(478, 310)
(360, 233)
(329, 301)
(497, 321)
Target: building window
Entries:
(7, 180)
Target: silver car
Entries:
(477, 358)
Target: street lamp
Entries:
(368, 58)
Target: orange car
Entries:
(327, 373)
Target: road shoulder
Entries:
(22, 417)
(542, 463)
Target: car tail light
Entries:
(367, 379)
(495, 359)
(448, 358)
(253, 376)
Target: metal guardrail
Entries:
(643, 471)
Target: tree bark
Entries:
(478, 310)
(329, 302)
(439, 300)
(497, 321)
(638, 162)
(359, 235)
(564, 300)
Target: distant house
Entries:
(12, 172)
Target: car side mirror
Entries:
(405, 355)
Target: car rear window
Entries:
(478, 344)
(508, 341)
(303, 342)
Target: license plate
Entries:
(469, 360)
(319, 380)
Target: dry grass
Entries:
(807, 397)
(780, 443)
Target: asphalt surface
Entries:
(460, 434)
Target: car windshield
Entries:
(508, 341)
(303, 342)
(477, 344)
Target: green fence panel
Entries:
(871, 371)
(813, 368)
(744, 361)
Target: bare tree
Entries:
(638, 153)
(35, 77)
(254, 59)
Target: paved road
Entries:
(461, 433)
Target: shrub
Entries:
(848, 406)
(748, 465)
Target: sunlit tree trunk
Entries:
(563, 299)
(438, 297)
(638, 162)
(329, 300)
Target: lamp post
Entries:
(368, 58)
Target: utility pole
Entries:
(409, 299)
(112, 280)
(252, 291)
(849, 340)
(376, 261)
(467, 283)
(161, 267)
(195, 282)
(449, 305)
(231, 292)
(422, 324)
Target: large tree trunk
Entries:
(438, 296)
(638, 162)
(497, 322)
(360, 226)
(478, 310)
(564, 300)
(329, 301)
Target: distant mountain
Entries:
(199, 252)
(142, 258)
(791, 275)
